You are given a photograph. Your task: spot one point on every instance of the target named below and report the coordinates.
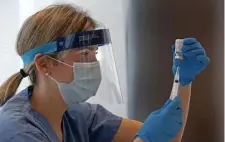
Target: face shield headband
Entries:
(84, 39)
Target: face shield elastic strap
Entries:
(76, 40)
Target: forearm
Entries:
(185, 95)
(129, 128)
(127, 131)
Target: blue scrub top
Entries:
(82, 122)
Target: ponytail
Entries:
(9, 87)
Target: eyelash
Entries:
(85, 53)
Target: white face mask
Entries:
(87, 78)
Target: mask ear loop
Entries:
(47, 74)
(51, 77)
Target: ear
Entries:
(42, 63)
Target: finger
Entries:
(189, 41)
(174, 103)
(175, 63)
(175, 113)
(167, 103)
(180, 123)
(164, 106)
(173, 48)
(203, 60)
(179, 116)
(195, 52)
(156, 112)
(180, 111)
(174, 68)
(194, 46)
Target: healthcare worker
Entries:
(66, 55)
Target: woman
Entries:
(44, 112)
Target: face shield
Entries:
(90, 46)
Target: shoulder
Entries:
(15, 126)
(26, 136)
(14, 121)
(84, 107)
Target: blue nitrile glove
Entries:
(164, 124)
(194, 60)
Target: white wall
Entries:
(108, 12)
(9, 27)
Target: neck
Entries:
(49, 103)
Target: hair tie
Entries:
(22, 72)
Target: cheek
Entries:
(63, 74)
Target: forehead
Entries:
(76, 51)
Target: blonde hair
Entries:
(43, 27)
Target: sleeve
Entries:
(27, 137)
(103, 125)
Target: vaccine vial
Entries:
(178, 46)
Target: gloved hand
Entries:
(194, 60)
(164, 124)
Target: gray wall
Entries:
(153, 25)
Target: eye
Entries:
(86, 53)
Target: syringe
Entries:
(178, 56)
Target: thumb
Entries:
(167, 103)
(174, 104)
(173, 48)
